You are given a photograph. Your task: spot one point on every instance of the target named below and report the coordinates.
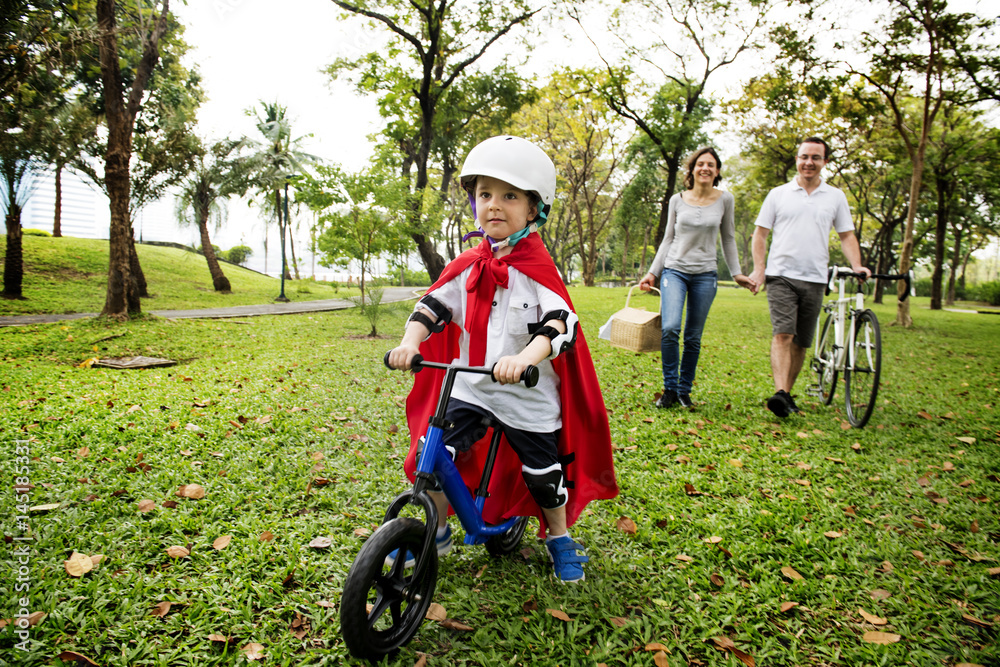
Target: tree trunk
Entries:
(903, 317)
(291, 247)
(219, 280)
(956, 252)
(137, 273)
(13, 268)
(940, 232)
(57, 217)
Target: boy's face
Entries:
(502, 209)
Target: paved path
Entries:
(389, 295)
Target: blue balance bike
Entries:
(384, 604)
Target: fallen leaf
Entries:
(876, 637)
(253, 651)
(266, 536)
(362, 532)
(83, 452)
(736, 463)
(993, 572)
(44, 508)
(686, 559)
(193, 491)
(73, 656)
(975, 621)
(222, 542)
(874, 620)
(919, 555)
(264, 419)
(452, 624)
(218, 638)
(833, 534)
(556, 613)
(661, 660)
(690, 490)
(421, 661)
(924, 415)
(856, 446)
(146, 505)
(160, 609)
(435, 612)
(948, 466)
(887, 566)
(791, 573)
(626, 525)
(715, 539)
(974, 526)
(321, 543)
(727, 644)
(656, 646)
(967, 439)
(78, 565)
(717, 579)
(618, 621)
(96, 559)
(36, 617)
(968, 664)
(802, 482)
(788, 604)
(178, 552)
(880, 594)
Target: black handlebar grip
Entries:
(415, 365)
(530, 376)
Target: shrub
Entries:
(989, 292)
(35, 232)
(410, 277)
(923, 287)
(239, 254)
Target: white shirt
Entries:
(523, 302)
(800, 224)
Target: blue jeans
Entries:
(699, 290)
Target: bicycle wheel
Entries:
(861, 377)
(824, 363)
(507, 543)
(382, 606)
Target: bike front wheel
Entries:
(825, 362)
(383, 605)
(508, 542)
(861, 378)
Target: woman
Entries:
(685, 266)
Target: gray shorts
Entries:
(794, 306)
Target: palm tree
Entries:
(221, 172)
(280, 160)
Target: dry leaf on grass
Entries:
(36, 617)
(222, 542)
(683, 557)
(880, 594)
(788, 604)
(193, 491)
(968, 664)
(727, 644)
(876, 637)
(435, 612)
(160, 609)
(975, 621)
(266, 536)
(871, 618)
(146, 505)
(557, 613)
(452, 624)
(833, 534)
(421, 660)
(626, 525)
(321, 543)
(717, 579)
(78, 565)
(661, 660)
(77, 658)
(218, 638)
(656, 646)
(618, 621)
(715, 539)
(253, 651)
(791, 573)
(178, 552)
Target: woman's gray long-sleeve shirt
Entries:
(689, 241)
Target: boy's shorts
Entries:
(535, 450)
(795, 306)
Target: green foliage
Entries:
(408, 277)
(318, 452)
(239, 254)
(36, 232)
(988, 292)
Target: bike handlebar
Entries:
(860, 276)
(529, 377)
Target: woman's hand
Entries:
(744, 281)
(648, 282)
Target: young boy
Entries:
(504, 303)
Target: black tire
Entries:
(861, 380)
(397, 603)
(507, 543)
(823, 362)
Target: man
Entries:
(801, 214)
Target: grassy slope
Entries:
(304, 386)
(70, 275)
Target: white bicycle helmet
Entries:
(516, 161)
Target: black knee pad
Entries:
(547, 486)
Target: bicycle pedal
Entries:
(814, 390)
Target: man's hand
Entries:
(401, 358)
(757, 278)
(648, 282)
(864, 270)
(746, 282)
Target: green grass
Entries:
(268, 395)
(70, 275)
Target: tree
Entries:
(710, 35)
(123, 299)
(431, 46)
(221, 172)
(281, 160)
(363, 214)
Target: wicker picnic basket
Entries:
(635, 329)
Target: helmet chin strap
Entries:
(511, 240)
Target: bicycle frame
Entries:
(435, 462)
(842, 333)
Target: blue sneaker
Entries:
(443, 544)
(566, 563)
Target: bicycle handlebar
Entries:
(860, 276)
(529, 377)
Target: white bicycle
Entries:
(850, 343)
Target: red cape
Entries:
(585, 439)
